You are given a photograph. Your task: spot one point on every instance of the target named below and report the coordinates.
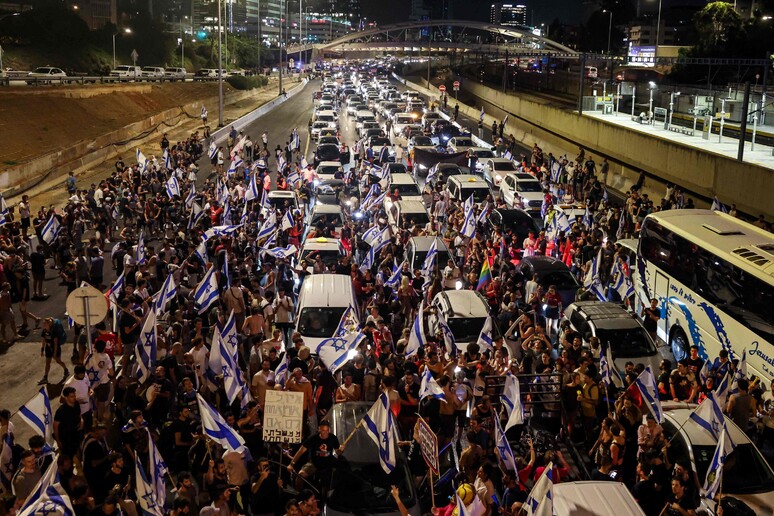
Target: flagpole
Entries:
(432, 487)
(352, 434)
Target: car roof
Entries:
(327, 208)
(411, 206)
(468, 180)
(320, 244)
(423, 243)
(594, 497)
(282, 193)
(401, 179)
(544, 263)
(524, 176)
(465, 303)
(605, 315)
(680, 416)
(329, 163)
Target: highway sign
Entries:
(442, 88)
(428, 445)
(86, 305)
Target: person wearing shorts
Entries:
(51, 347)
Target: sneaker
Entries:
(43, 381)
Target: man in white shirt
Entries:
(451, 274)
(99, 369)
(530, 287)
(83, 393)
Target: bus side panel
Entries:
(661, 292)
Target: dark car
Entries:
(440, 172)
(327, 191)
(517, 221)
(550, 271)
(446, 133)
(326, 152)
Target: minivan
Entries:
(466, 312)
(322, 301)
(464, 185)
(418, 247)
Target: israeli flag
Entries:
(147, 499)
(723, 390)
(201, 252)
(281, 162)
(217, 429)
(282, 253)
(430, 175)
(295, 140)
(337, 351)
(417, 339)
(212, 152)
(718, 206)
(368, 261)
(7, 466)
(266, 206)
(37, 413)
(235, 164)
(166, 294)
(142, 161)
(448, 336)
(394, 281)
(51, 230)
(157, 470)
(469, 224)
(220, 231)
(587, 220)
(173, 187)
(709, 416)
(268, 226)
(206, 292)
(623, 284)
(287, 221)
(189, 200)
(260, 163)
(429, 387)
(48, 497)
(304, 163)
(197, 212)
(432, 256)
(226, 217)
(167, 159)
(226, 276)
(370, 234)
(511, 400)
(145, 349)
(540, 501)
(481, 116)
(3, 206)
(503, 447)
(558, 223)
(224, 194)
(592, 281)
(140, 254)
(485, 337)
(556, 172)
(281, 373)
(381, 240)
(252, 193)
(377, 202)
(380, 427)
(243, 218)
(648, 387)
(293, 179)
(116, 289)
(347, 323)
(621, 231)
(714, 478)
(605, 197)
(606, 365)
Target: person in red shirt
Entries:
(560, 472)
(112, 346)
(216, 211)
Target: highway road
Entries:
(21, 365)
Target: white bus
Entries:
(713, 276)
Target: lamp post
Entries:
(651, 87)
(126, 30)
(658, 31)
(220, 70)
(609, 28)
(671, 108)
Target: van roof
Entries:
(320, 244)
(410, 206)
(594, 498)
(468, 181)
(401, 178)
(326, 208)
(331, 289)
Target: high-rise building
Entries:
(508, 14)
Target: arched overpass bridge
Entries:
(449, 35)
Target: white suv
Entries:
(126, 72)
(152, 72)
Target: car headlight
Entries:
(358, 214)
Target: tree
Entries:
(717, 26)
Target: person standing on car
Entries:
(322, 449)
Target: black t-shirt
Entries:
(694, 366)
(68, 418)
(598, 475)
(686, 503)
(413, 389)
(113, 479)
(321, 450)
(649, 323)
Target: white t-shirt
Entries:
(98, 367)
(82, 388)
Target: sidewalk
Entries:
(762, 155)
(52, 191)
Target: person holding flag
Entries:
(320, 453)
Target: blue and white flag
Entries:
(226, 216)
(380, 427)
(157, 471)
(481, 116)
(268, 227)
(557, 223)
(142, 161)
(607, 367)
(166, 294)
(167, 159)
(448, 336)
(293, 178)
(335, 351)
(37, 413)
(476, 508)
(207, 291)
(3, 206)
(714, 478)
(368, 260)
(234, 165)
(556, 172)
(281, 373)
(587, 220)
(51, 230)
(709, 416)
(469, 225)
(281, 162)
(394, 280)
(140, 254)
(511, 400)
(201, 252)
(145, 349)
(197, 213)
(485, 340)
(244, 217)
(718, 206)
(723, 390)
(381, 239)
(212, 152)
(623, 284)
(592, 280)
(417, 339)
(48, 497)
(429, 387)
(430, 259)
(540, 501)
(504, 447)
(287, 221)
(147, 500)
(370, 234)
(347, 323)
(191, 197)
(295, 140)
(228, 343)
(217, 429)
(226, 276)
(281, 253)
(221, 231)
(648, 387)
(621, 231)
(253, 192)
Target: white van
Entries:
(322, 301)
(465, 311)
(594, 497)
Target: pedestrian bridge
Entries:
(445, 36)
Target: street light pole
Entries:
(658, 32)
(220, 70)
(114, 50)
(282, 11)
(609, 30)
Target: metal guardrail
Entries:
(96, 79)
